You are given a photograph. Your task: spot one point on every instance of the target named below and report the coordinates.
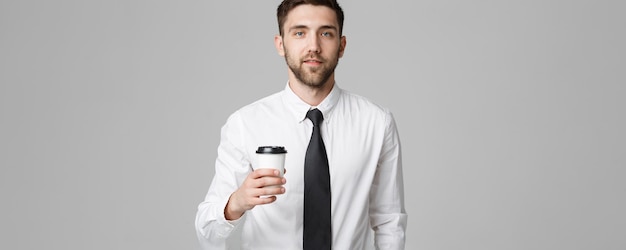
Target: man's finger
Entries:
(264, 172)
(268, 181)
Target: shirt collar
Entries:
(299, 108)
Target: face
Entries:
(311, 44)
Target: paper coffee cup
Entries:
(271, 157)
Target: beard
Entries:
(315, 77)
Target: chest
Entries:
(353, 149)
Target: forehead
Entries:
(311, 16)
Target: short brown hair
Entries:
(288, 5)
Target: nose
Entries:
(314, 44)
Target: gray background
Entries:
(511, 115)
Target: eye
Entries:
(327, 34)
(298, 34)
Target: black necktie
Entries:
(317, 225)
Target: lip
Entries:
(312, 62)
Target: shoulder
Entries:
(259, 107)
(356, 103)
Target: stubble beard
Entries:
(313, 77)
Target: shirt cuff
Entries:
(228, 225)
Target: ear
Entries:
(342, 46)
(278, 42)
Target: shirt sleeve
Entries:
(387, 215)
(231, 168)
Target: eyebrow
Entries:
(323, 27)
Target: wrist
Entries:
(231, 212)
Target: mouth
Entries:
(312, 62)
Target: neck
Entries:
(312, 95)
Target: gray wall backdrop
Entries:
(511, 113)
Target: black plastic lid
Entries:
(271, 150)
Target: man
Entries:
(356, 164)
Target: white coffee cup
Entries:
(272, 157)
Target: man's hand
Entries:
(264, 182)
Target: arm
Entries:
(387, 215)
(234, 190)
(231, 168)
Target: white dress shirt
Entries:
(365, 166)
